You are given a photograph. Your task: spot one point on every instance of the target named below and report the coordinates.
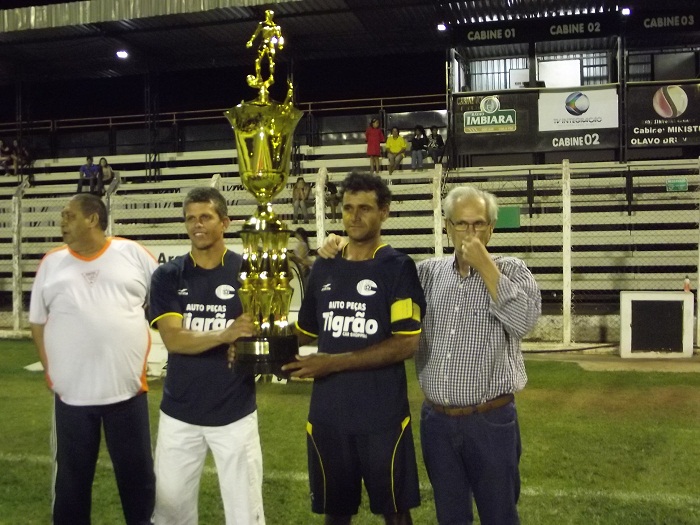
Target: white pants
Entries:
(181, 450)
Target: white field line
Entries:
(301, 477)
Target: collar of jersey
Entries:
(93, 257)
(373, 254)
(194, 263)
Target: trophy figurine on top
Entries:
(264, 131)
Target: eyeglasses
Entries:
(462, 226)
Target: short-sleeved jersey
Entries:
(201, 389)
(95, 330)
(351, 305)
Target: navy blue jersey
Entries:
(351, 305)
(201, 389)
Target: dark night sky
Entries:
(221, 88)
(14, 4)
(345, 78)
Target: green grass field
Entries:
(598, 448)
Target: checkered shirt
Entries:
(469, 349)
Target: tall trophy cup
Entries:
(264, 131)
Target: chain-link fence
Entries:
(530, 221)
(590, 231)
(411, 225)
(587, 231)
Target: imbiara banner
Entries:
(495, 122)
(509, 122)
(660, 114)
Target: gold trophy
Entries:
(264, 131)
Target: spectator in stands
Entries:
(374, 138)
(91, 173)
(332, 198)
(19, 159)
(396, 147)
(301, 255)
(5, 157)
(12, 151)
(20, 156)
(436, 146)
(106, 174)
(89, 326)
(419, 145)
(470, 365)
(300, 200)
(22, 160)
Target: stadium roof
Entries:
(47, 40)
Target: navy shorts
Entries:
(339, 462)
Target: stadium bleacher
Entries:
(151, 211)
(628, 231)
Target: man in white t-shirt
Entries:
(88, 324)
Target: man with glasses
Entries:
(470, 364)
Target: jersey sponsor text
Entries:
(349, 325)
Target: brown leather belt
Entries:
(496, 402)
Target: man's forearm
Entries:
(519, 302)
(393, 350)
(189, 342)
(180, 340)
(304, 339)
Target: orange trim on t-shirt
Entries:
(83, 258)
(52, 250)
(48, 380)
(116, 237)
(144, 380)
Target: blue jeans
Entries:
(476, 458)
(417, 159)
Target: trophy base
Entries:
(265, 355)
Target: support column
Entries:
(152, 112)
(566, 253)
